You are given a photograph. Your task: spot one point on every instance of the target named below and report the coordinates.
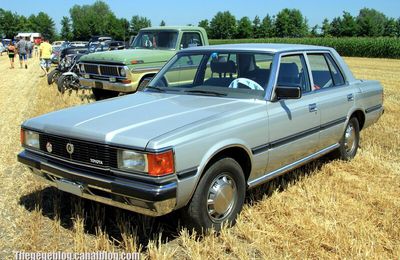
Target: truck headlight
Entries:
(30, 138)
(155, 164)
(122, 72)
(82, 68)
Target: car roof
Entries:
(259, 47)
(175, 28)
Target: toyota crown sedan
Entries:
(213, 123)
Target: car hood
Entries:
(126, 56)
(132, 120)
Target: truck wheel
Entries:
(53, 76)
(350, 141)
(63, 83)
(219, 197)
(100, 94)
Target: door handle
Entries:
(350, 97)
(312, 107)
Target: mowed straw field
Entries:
(327, 209)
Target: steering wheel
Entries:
(251, 84)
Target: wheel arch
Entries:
(359, 114)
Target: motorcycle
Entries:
(69, 79)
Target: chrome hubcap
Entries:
(221, 197)
(349, 138)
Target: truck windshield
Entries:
(219, 74)
(155, 40)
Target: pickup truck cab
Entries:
(214, 122)
(110, 73)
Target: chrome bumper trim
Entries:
(115, 86)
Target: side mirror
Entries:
(285, 92)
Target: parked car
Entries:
(78, 44)
(57, 44)
(116, 45)
(214, 122)
(124, 71)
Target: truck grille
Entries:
(84, 152)
(105, 70)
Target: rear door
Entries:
(335, 96)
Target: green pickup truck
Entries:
(123, 71)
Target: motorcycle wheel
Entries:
(64, 82)
(53, 76)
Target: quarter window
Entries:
(335, 72)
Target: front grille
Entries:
(109, 71)
(83, 151)
(92, 69)
(105, 70)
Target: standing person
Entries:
(45, 55)
(30, 48)
(11, 53)
(36, 50)
(22, 48)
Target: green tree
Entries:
(390, 28)
(9, 23)
(66, 31)
(398, 27)
(325, 28)
(257, 31)
(206, 25)
(343, 26)
(290, 23)
(95, 19)
(137, 23)
(244, 28)
(223, 26)
(371, 23)
(162, 23)
(314, 31)
(45, 26)
(267, 27)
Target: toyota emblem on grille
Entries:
(49, 147)
(70, 148)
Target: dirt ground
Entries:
(327, 209)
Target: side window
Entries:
(320, 71)
(293, 73)
(190, 39)
(335, 72)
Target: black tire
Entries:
(53, 76)
(349, 142)
(201, 215)
(100, 94)
(63, 83)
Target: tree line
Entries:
(98, 19)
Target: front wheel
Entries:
(219, 197)
(350, 141)
(64, 82)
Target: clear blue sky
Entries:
(178, 12)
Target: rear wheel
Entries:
(53, 76)
(350, 141)
(100, 94)
(219, 197)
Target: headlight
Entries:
(82, 68)
(30, 138)
(155, 164)
(129, 160)
(122, 72)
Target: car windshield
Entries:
(228, 74)
(155, 40)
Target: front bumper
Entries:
(152, 198)
(103, 84)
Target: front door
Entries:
(294, 124)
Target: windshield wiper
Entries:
(155, 88)
(206, 92)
